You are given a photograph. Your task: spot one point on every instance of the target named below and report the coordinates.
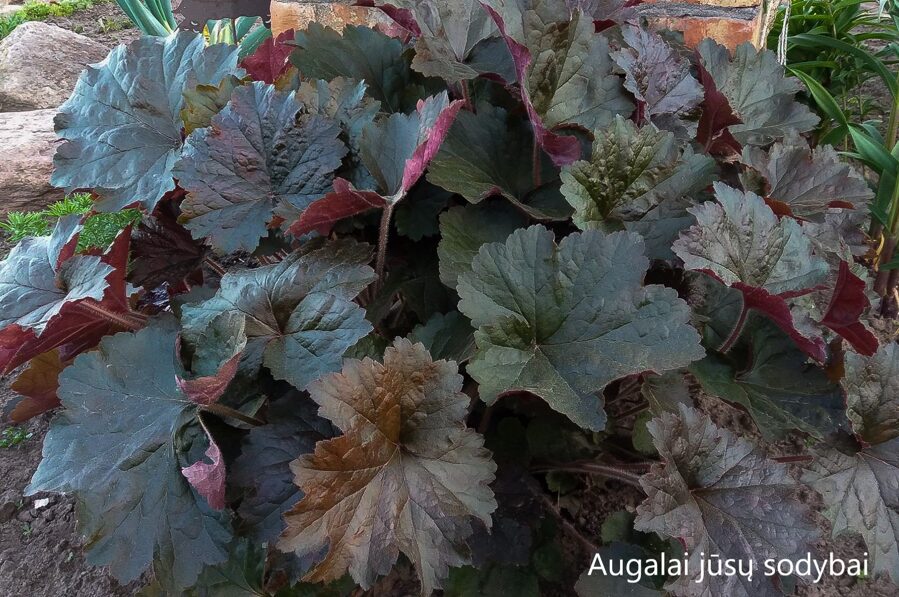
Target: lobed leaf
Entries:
(562, 321)
(163, 251)
(718, 494)
(450, 37)
(126, 151)
(564, 69)
(463, 230)
(300, 317)
(755, 87)
(660, 80)
(116, 446)
(396, 152)
(741, 242)
(407, 475)
(631, 171)
(859, 482)
(490, 153)
(271, 59)
(803, 182)
(263, 467)
(78, 324)
(776, 384)
(361, 54)
(259, 154)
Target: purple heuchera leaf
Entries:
(208, 478)
(564, 69)
(804, 183)
(271, 59)
(396, 152)
(720, 495)
(741, 242)
(658, 77)
(756, 88)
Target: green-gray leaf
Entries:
(34, 288)
(777, 385)
(448, 337)
(116, 445)
(300, 318)
(740, 240)
(758, 92)
(630, 172)
(562, 321)
(123, 122)
(258, 155)
(362, 54)
(489, 153)
(464, 229)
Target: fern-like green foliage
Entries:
(99, 229)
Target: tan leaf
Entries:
(406, 476)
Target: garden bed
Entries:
(240, 315)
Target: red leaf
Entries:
(846, 306)
(717, 115)
(209, 478)
(562, 149)
(344, 201)
(776, 308)
(271, 59)
(207, 390)
(78, 326)
(38, 385)
(424, 153)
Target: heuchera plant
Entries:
(393, 289)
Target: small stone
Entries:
(25, 516)
(41, 503)
(8, 506)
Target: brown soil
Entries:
(91, 22)
(40, 551)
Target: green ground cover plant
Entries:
(99, 230)
(392, 295)
(39, 11)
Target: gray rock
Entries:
(40, 64)
(28, 143)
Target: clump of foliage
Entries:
(835, 49)
(40, 11)
(13, 437)
(157, 17)
(463, 259)
(99, 229)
